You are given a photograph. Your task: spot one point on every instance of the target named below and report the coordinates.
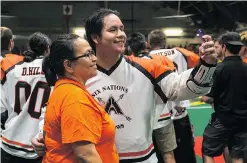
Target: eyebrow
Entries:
(116, 26)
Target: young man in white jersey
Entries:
(183, 60)
(25, 91)
(120, 85)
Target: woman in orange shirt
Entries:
(76, 129)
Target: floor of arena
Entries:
(199, 116)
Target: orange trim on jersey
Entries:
(141, 153)
(191, 57)
(9, 61)
(16, 143)
(155, 68)
(2, 74)
(165, 115)
(245, 60)
(164, 60)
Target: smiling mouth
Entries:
(119, 42)
(94, 65)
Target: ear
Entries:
(11, 44)
(95, 38)
(148, 44)
(245, 50)
(47, 51)
(68, 66)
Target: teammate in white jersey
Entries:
(183, 60)
(164, 138)
(129, 87)
(7, 44)
(25, 91)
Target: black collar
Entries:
(235, 58)
(108, 72)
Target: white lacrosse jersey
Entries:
(25, 91)
(129, 91)
(183, 60)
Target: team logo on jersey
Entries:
(112, 106)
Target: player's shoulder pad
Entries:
(191, 57)
(8, 62)
(153, 66)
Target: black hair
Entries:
(157, 38)
(95, 23)
(137, 42)
(62, 48)
(38, 43)
(230, 36)
(6, 36)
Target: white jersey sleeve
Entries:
(3, 101)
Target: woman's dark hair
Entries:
(95, 23)
(38, 43)
(137, 43)
(62, 48)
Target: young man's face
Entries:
(218, 49)
(113, 37)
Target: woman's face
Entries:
(84, 65)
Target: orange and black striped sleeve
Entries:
(154, 70)
(154, 67)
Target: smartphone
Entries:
(201, 33)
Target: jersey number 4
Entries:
(38, 97)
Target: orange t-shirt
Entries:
(73, 115)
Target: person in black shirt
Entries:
(227, 124)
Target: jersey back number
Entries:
(38, 97)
